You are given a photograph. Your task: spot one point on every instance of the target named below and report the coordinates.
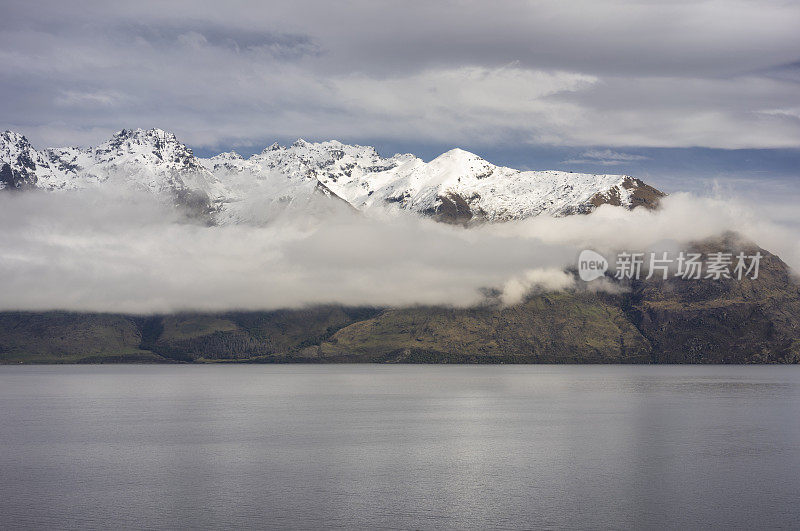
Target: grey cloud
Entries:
(622, 73)
(284, 46)
(718, 38)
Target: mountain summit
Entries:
(456, 187)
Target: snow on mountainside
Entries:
(21, 166)
(457, 186)
(262, 186)
(153, 160)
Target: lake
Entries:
(401, 446)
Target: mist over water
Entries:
(96, 251)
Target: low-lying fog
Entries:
(90, 251)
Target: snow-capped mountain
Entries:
(457, 186)
(21, 166)
(152, 161)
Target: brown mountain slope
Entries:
(548, 328)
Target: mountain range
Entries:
(457, 186)
(647, 321)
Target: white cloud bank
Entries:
(99, 253)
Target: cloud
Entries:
(199, 34)
(73, 98)
(91, 251)
(515, 289)
(626, 73)
(793, 113)
(605, 157)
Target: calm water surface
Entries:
(367, 446)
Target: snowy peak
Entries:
(329, 162)
(155, 137)
(11, 141)
(273, 147)
(228, 160)
(156, 142)
(461, 187)
(144, 135)
(15, 149)
(21, 166)
(228, 155)
(154, 146)
(457, 156)
(457, 164)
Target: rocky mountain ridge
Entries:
(457, 186)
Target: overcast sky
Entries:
(620, 86)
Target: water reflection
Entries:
(365, 446)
